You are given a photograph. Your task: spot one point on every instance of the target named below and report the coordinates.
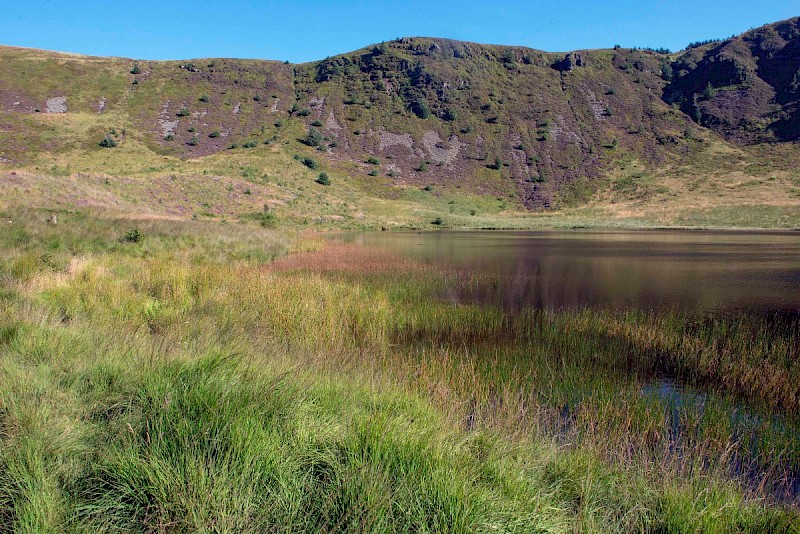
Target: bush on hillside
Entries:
(133, 236)
(450, 115)
(421, 109)
(108, 142)
(313, 137)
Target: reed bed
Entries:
(187, 381)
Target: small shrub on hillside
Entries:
(204, 98)
(709, 92)
(313, 137)
(372, 160)
(450, 115)
(191, 129)
(373, 172)
(317, 123)
(266, 218)
(133, 236)
(310, 163)
(666, 70)
(136, 70)
(423, 166)
(169, 137)
(184, 112)
(323, 179)
(194, 141)
(428, 188)
(303, 113)
(251, 144)
(421, 109)
(214, 134)
(108, 142)
(437, 221)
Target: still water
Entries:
(690, 270)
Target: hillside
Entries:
(746, 88)
(417, 127)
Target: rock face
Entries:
(570, 61)
(57, 104)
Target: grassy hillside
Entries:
(413, 131)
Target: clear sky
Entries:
(307, 30)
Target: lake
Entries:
(688, 270)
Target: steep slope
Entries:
(747, 88)
(533, 130)
(442, 111)
(166, 104)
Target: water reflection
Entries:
(646, 269)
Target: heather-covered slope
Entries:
(493, 118)
(422, 125)
(746, 88)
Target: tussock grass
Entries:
(187, 383)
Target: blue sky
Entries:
(303, 31)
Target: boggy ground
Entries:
(183, 378)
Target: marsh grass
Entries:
(189, 383)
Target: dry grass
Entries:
(535, 420)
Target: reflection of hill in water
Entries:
(690, 270)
